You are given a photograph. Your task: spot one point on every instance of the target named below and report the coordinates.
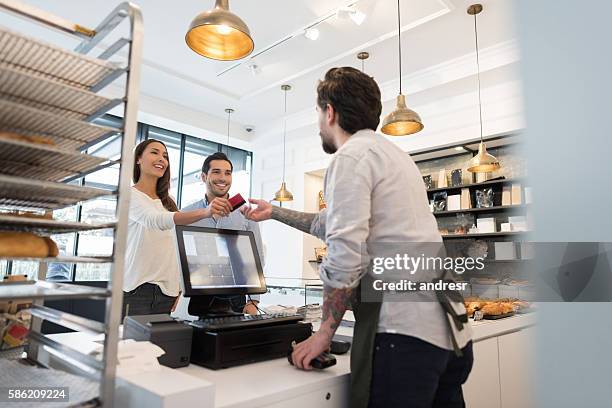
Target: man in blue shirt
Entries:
(217, 175)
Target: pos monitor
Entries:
(217, 263)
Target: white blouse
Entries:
(151, 251)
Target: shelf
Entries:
(25, 193)
(46, 226)
(36, 57)
(511, 261)
(51, 96)
(43, 162)
(62, 259)
(476, 185)
(486, 235)
(66, 133)
(48, 290)
(67, 320)
(502, 208)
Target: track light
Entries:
(350, 12)
(311, 33)
(254, 68)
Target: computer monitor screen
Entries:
(219, 262)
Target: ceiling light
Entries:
(219, 34)
(254, 68)
(345, 13)
(483, 162)
(459, 149)
(311, 33)
(357, 16)
(363, 56)
(283, 194)
(402, 121)
(229, 112)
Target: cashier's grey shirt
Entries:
(375, 193)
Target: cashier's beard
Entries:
(328, 143)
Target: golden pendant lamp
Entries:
(403, 120)
(483, 162)
(219, 34)
(283, 194)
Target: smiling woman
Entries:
(151, 282)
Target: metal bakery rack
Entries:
(51, 92)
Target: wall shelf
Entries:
(501, 208)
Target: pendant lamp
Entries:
(219, 34)
(483, 162)
(402, 121)
(283, 194)
(229, 112)
(363, 56)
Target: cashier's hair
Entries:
(354, 95)
(163, 183)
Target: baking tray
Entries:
(66, 133)
(46, 60)
(19, 192)
(44, 226)
(497, 317)
(48, 290)
(51, 96)
(43, 162)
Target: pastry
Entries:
(27, 245)
(26, 138)
(497, 308)
(521, 305)
(43, 216)
(484, 281)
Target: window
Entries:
(186, 154)
(172, 140)
(66, 244)
(97, 242)
(196, 151)
(241, 176)
(3, 269)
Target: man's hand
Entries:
(308, 350)
(250, 307)
(219, 207)
(262, 212)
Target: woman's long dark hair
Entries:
(163, 183)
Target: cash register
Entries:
(215, 265)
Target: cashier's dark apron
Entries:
(364, 333)
(367, 312)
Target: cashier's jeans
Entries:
(146, 299)
(410, 373)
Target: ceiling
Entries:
(434, 31)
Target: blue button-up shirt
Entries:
(234, 221)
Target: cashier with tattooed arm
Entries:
(374, 194)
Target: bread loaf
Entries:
(27, 245)
(26, 138)
(43, 216)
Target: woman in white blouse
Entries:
(151, 277)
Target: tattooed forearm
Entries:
(295, 219)
(335, 303)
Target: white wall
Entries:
(449, 120)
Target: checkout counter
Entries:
(500, 375)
